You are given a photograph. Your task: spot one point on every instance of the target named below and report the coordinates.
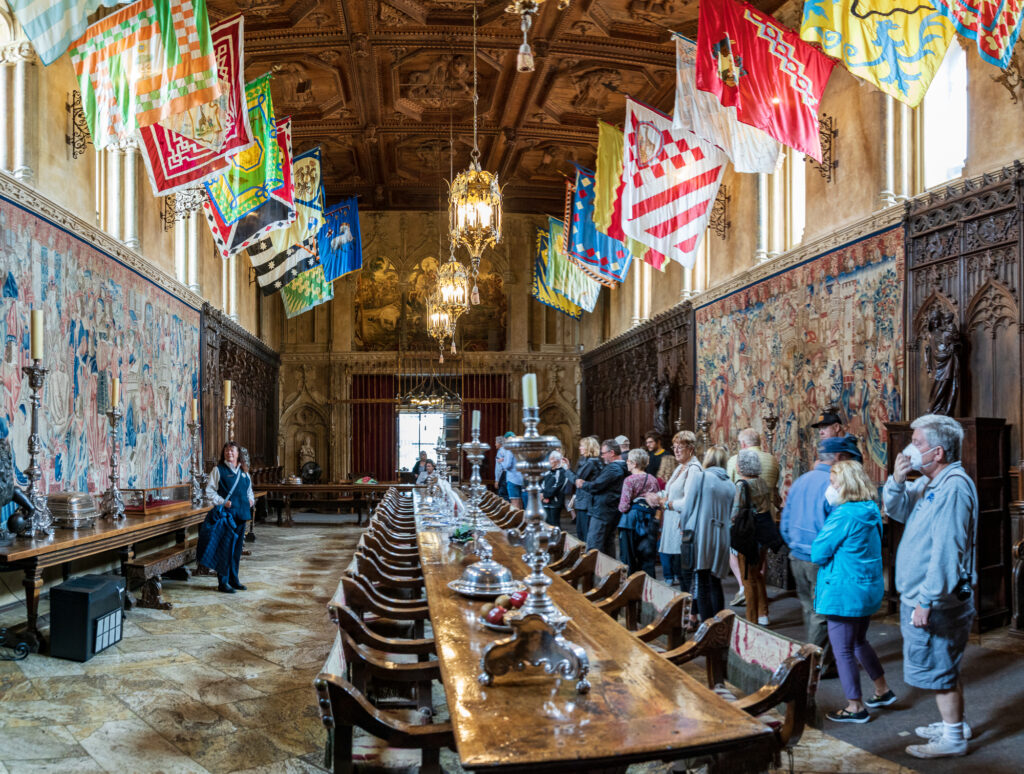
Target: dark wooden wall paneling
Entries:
(231, 352)
(620, 378)
(964, 256)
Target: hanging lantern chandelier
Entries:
(526, 10)
(474, 201)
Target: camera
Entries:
(963, 589)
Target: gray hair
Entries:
(748, 463)
(555, 456)
(612, 445)
(941, 431)
(829, 458)
(638, 457)
(749, 437)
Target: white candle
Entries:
(227, 392)
(530, 391)
(476, 421)
(36, 329)
(115, 392)
(195, 409)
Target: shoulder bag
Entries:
(687, 549)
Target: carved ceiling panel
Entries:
(379, 83)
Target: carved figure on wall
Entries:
(662, 405)
(942, 361)
(594, 87)
(306, 453)
(446, 78)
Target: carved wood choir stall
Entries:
(964, 277)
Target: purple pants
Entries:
(850, 645)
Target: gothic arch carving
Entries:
(991, 308)
(302, 420)
(936, 298)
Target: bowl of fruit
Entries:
(496, 615)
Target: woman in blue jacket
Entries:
(850, 587)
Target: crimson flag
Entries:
(772, 78)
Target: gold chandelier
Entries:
(474, 201)
(526, 9)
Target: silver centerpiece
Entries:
(113, 502)
(195, 468)
(42, 522)
(229, 420)
(537, 627)
(475, 453)
(72, 510)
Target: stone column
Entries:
(904, 189)
(778, 205)
(761, 243)
(887, 197)
(114, 200)
(26, 109)
(638, 283)
(181, 251)
(5, 109)
(130, 195)
(192, 251)
(233, 288)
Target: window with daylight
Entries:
(416, 433)
(942, 146)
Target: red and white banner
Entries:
(670, 181)
(763, 69)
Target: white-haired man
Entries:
(552, 489)
(935, 573)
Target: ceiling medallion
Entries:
(526, 10)
(474, 201)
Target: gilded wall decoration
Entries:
(827, 330)
(378, 306)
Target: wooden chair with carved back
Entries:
(398, 555)
(759, 670)
(397, 570)
(371, 571)
(343, 707)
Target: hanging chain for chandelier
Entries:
(526, 10)
(474, 203)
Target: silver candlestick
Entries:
(113, 502)
(538, 625)
(475, 453)
(42, 521)
(195, 469)
(229, 421)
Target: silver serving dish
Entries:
(72, 510)
(493, 626)
(484, 579)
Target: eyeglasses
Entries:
(606, 451)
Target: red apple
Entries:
(518, 599)
(496, 615)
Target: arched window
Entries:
(942, 133)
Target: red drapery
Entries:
(488, 394)
(374, 445)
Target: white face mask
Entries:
(916, 456)
(831, 495)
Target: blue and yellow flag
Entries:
(897, 45)
(339, 241)
(540, 289)
(566, 278)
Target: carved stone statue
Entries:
(662, 401)
(942, 361)
(306, 453)
(9, 491)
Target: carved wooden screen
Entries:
(963, 258)
(621, 379)
(488, 394)
(373, 426)
(230, 352)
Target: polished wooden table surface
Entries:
(641, 706)
(35, 555)
(353, 491)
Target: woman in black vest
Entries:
(230, 487)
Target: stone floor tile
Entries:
(37, 742)
(79, 765)
(134, 746)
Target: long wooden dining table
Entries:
(640, 707)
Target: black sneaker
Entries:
(845, 716)
(884, 700)
(225, 588)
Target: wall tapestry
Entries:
(378, 306)
(101, 319)
(827, 330)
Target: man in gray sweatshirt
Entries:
(936, 553)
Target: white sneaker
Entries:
(763, 620)
(934, 730)
(939, 747)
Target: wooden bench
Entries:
(151, 567)
(759, 670)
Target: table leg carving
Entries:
(287, 510)
(33, 584)
(152, 596)
(127, 554)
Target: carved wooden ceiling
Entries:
(378, 83)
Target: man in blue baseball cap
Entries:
(802, 520)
